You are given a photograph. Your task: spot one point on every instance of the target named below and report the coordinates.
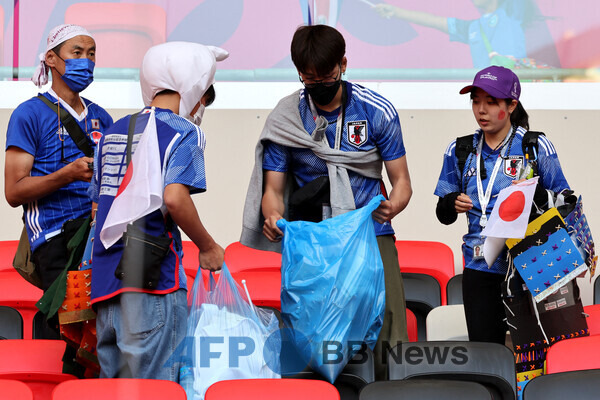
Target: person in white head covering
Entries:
(142, 309)
(191, 72)
(46, 172)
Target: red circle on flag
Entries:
(512, 207)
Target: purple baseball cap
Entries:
(498, 82)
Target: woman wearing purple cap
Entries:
(475, 169)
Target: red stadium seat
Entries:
(119, 389)
(593, 321)
(272, 389)
(190, 258)
(31, 355)
(15, 390)
(8, 249)
(574, 354)
(135, 27)
(411, 326)
(264, 286)
(239, 258)
(430, 258)
(37, 363)
(190, 283)
(21, 295)
(190, 264)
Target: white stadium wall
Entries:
(431, 114)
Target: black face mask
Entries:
(322, 94)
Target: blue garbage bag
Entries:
(333, 291)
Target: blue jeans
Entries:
(139, 332)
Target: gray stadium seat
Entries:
(580, 385)
(41, 330)
(425, 389)
(422, 293)
(359, 372)
(454, 290)
(490, 364)
(11, 323)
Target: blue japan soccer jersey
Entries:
(451, 181)
(370, 121)
(36, 129)
(181, 146)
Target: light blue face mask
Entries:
(79, 73)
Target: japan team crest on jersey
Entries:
(512, 166)
(96, 136)
(357, 132)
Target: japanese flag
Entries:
(141, 191)
(510, 215)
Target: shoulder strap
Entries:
(72, 127)
(530, 144)
(464, 147)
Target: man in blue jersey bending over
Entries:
(357, 130)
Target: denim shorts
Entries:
(139, 332)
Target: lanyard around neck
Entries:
(484, 198)
(339, 124)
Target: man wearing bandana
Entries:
(355, 131)
(45, 171)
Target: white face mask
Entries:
(196, 119)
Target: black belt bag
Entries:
(142, 258)
(306, 203)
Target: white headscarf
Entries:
(184, 67)
(58, 35)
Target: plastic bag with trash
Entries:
(333, 291)
(228, 337)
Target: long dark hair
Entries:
(519, 116)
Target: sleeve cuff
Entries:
(445, 210)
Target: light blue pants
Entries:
(139, 332)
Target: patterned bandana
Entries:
(58, 35)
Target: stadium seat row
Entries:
(429, 283)
(37, 363)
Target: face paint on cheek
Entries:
(501, 115)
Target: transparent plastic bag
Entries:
(227, 337)
(333, 290)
